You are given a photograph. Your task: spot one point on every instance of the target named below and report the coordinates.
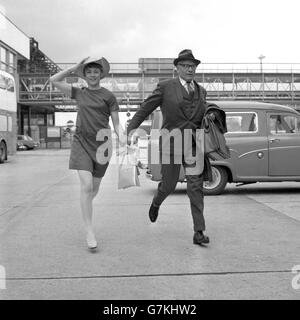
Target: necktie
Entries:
(190, 87)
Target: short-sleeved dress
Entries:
(94, 110)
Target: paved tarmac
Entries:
(254, 232)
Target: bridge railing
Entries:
(137, 97)
(210, 67)
(132, 82)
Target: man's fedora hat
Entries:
(186, 54)
(102, 62)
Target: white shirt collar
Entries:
(184, 83)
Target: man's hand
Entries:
(129, 142)
(211, 116)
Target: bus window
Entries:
(10, 85)
(3, 123)
(2, 82)
(9, 124)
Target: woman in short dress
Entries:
(91, 147)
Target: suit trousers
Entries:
(170, 175)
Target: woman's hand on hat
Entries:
(83, 61)
(79, 64)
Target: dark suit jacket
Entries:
(168, 95)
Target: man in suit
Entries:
(183, 105)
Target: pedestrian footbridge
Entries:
(133, 82)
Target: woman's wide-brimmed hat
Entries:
(186, 54)
(102, 62)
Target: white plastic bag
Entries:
(128, 171)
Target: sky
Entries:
(125, 30)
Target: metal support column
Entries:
(292, 87)
(19, 119)
(29, 118)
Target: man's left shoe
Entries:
(200, 238)
(153, 213)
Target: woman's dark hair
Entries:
(92, 65)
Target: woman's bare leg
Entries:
(89, 187)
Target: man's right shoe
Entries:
(153, 213)
(200, 238)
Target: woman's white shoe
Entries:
(91, 241)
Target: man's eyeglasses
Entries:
(187, 66)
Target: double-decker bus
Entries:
(8, 115)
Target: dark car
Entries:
(264, 141)
(25, 142)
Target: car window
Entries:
(241, 122)
(284, 124)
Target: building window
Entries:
(2, 58)
(8, 60)
(50, 119)
(11, 62)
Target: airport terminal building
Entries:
(20, 54)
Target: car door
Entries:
(248, 144)
(284, 144)
(153, 146)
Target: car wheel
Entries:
(217, 185)
(3, 152)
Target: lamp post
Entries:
(128, 113)
(261, 57)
